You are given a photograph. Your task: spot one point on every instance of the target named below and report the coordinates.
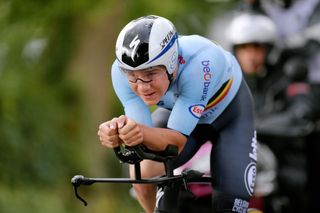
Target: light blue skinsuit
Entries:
(208, 100)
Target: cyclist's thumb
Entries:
(122, 121)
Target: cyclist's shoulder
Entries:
(195, 48)
(192, 38)
(196, 42)
(115, 65)
(115, 70)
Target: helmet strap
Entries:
(170, 78)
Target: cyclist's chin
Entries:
(151, 101)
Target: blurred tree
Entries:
(40, 109)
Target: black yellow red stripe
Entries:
(220, 94)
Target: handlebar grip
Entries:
(127, 155)
(140, 152)
(170, 152)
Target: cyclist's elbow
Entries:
(181, 142)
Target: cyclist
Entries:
(201, 95)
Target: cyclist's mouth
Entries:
(150, 95)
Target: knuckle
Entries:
(123, 137)
(121, 131)
(114, 119)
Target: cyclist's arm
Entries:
(208, 70)
(134, 107)
(157, 139)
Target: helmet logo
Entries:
(166, 40)
(134, 45)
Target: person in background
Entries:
(251, 37)
(298, 44)
(298, 25)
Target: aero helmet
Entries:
(251, 28)
(148, 41)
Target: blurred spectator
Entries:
(297, 24)
(251, 37)
(298, 27)
(286, 89)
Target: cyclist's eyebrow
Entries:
(152, 69)
(147, 72)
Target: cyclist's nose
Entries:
(143, 85)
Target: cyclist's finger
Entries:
(132, 138)
(114, 123)
(104, 129)
(109, 140)
(104, 125)
(109, 145)
(122, 120)
(126, 133)
(135, 142)
(128, 127)
(108, 137)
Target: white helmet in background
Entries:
(251, 28)
(148, 41)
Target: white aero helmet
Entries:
(148, 41)
(251, 28)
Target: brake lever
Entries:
(76, 182)
(78, 196)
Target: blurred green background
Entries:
(55, 90)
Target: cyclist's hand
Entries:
(129, 131)
(108, 134)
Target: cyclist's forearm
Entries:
(157, 139)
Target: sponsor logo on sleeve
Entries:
(196, 110)
(251, 170)
(253, 154)
(250, 177)
(207, 75)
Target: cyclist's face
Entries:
(149, 84)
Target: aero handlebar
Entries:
(134, 155)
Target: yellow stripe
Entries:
(220, 96)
